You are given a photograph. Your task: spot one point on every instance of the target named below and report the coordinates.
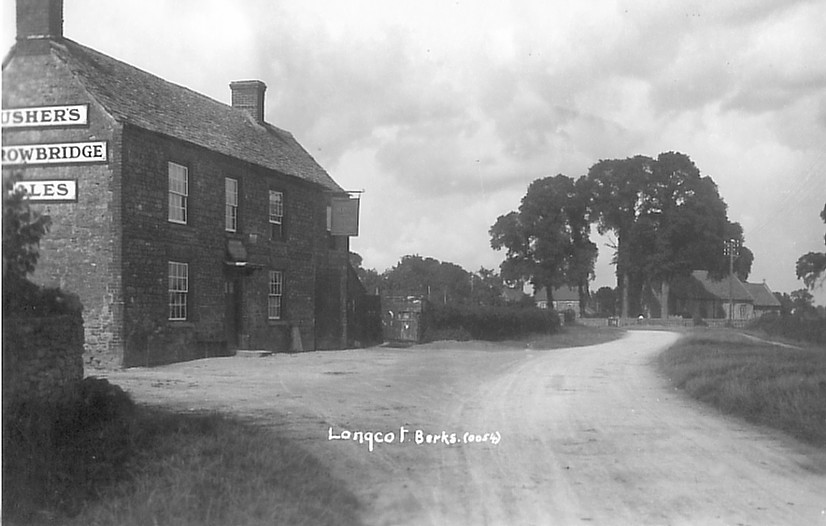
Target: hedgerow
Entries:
(486, 323)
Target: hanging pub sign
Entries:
(344, 216)
(70, 152)
(54, 190)
(45, 116)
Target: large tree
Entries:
(617, 193)
(487, 288)
(438, 281)
(668, 219)
(547, 241)
(687, 220)
(811, 267)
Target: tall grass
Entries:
(213, 470)
(796, 328)
(775, 386)
(72, 464)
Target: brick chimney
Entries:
(249, 95)
(39, 19)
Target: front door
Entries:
(232, 293)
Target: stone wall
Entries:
(41, 355)
(80, 251)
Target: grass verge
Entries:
(211, 470)
(573, 335)
(766, 384)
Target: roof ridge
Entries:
(145, 100)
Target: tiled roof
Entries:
(149, 102)
(560, 294)
(512, 294)
(720, 289)
(762, 295)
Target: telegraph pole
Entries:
(731, 249)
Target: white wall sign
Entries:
(43, 116)
(54, 190)
(71, 152)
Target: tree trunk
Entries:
(665, 288)
(581, 292)
(626, 283)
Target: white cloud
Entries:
(444, 112)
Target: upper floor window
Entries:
(178, 289)
(178, 192)
(232, 205)
(276, 215)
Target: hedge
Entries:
(464, 322)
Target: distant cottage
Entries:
(700, 296)
(695, 296)
(188, 227)
(564, 299)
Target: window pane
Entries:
(178, 192)
(276, 206)
(231, 216)
(178, 288)
(274, 298)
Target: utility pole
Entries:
(731, 249)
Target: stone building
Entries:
(188, 227)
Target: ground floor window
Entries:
(275, 296)
(178, 289)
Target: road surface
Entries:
(589, 435)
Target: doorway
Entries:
(232, 298)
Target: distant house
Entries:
(512, 295)
(764, 300)
(564, 298)
(701, 296)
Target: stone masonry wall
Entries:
(78, 253)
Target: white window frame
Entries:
(178, 176)
(275, 295)
(178, 276)
(231, 215)
(276, 213)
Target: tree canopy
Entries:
(441, 282)
(547, 241)
(667, 217)
(811, 267)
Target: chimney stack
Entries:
(39, 19)
(249, 95)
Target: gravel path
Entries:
(587, 435)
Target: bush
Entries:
(462, 322)
(24, 298)
(56, 453)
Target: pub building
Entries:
(189, 228)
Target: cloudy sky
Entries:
(443, 112)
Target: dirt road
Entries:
(587, 435)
